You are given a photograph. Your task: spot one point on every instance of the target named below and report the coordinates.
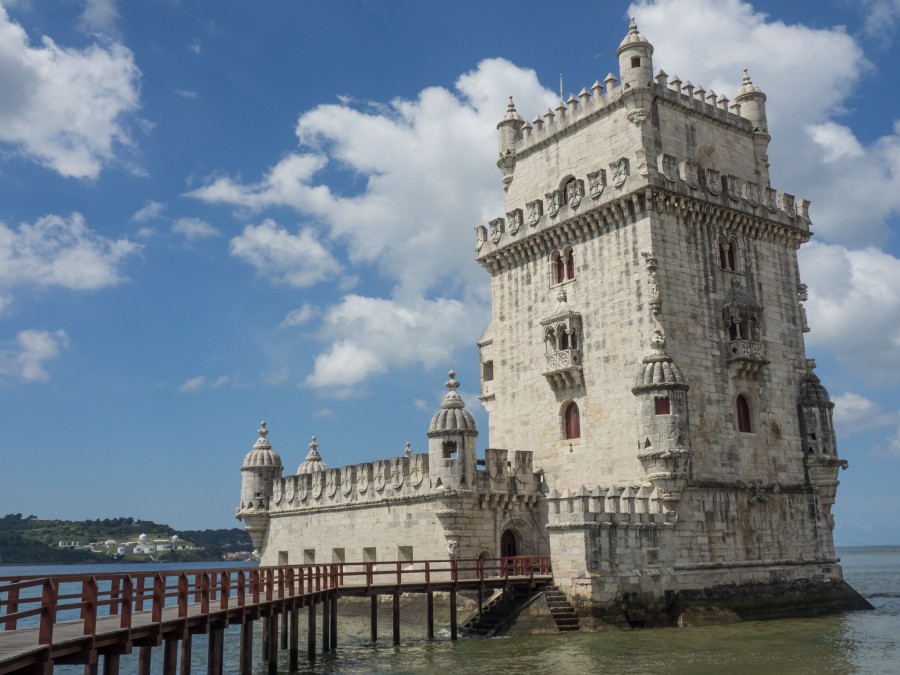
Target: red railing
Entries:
(218, 590)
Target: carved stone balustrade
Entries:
(563, 368)
(746, 356)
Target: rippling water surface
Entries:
(858, 642)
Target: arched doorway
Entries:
(508, 544)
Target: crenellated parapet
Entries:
(609, 506)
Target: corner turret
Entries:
(752, 105)
(664, 444)
(510, 128)
(261, 467)
(635, 59)
(451, 442)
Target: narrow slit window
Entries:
(570, 265)
(743, 415)
(573, 421)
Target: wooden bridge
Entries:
(94, 619)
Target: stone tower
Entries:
(262, 466)
(640, 232)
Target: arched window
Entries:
(734, 332)
(573, 421)
(563, 339)
(570, 265)
(743, 414)
(573, 340)
(560, 269)
(563, 266)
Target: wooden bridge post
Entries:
(215, 652)
(429, 614)
(246, 657)
(396, 617)
(453, 614)
(264, 646)
(295, 638)
(111, 663)
(326, 624)
(334, 599)
(185, 653)
(284, 629)
(373, 618)
(272, 620)
(170, 655)
(311, 631)
(144, 655)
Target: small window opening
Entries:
(734, 331)
(560, 270)
(573, 340)
(337, 555)
(570, 265)
(726, 256)
(449, 448)
(565, 191)
(743, 415)
(369, 555)
(487, 371)
(635, 61)
(405, 554)
(662, 405)
(573, 421)
(309, 556)
(563, 339)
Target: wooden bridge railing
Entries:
(64, 597)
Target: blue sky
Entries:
(214, 213)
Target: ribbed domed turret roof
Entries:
(747, 87)
(313, 462)
(812, 391)
(657, 370)
(262, 454)
(634, 38)
(452, 417)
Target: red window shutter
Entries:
(663, 406)
(560, 270)
(573, 423)
(570, 265)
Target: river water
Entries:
(857, 642)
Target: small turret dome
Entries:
(812, 391)
(658, 370)
(634, 38)
(748, 88)
(313, 462)
(452, 417)
(262, 454)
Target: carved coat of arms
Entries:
(514, 218)
(496, 229)
(596, 183)
(619, 170)
(713, 182)
(574, 193)
(689, 171)
(553, 202)
(535, 211)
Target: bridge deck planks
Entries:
(19, 648)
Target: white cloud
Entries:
(300, 315)
(881, 17)
(65, 108)
(59, 251)
(99, 16)
(195, 46)
(854, 413)
(889, 449)
(854, 305)
(33, 349)
(836, 140)
(187, 93)
(193, 384)
(149, 211)
(371, 335)
(298, 260)
(194, 228)
(220, 382)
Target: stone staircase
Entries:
(498, 612)
(563, 614)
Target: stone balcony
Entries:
(746, 356)
(563, 368)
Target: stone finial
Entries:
(561, 296)
(452, 384)
(573, 103)
(585, 96)
(700, 93)
(408, 449)
(549, 115)
(632, 28)
(313, 448)
(561, 110)
(538, 123)
(688, 89)
(610, 81)
(662, 78)
(597, 88)
(675, 83)
(262, 431)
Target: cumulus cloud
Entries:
(193, 384)
(854, 305)
(298, 260)
(187, 93)
(194, 228)
(300, 315)
(854, 413)
(149, 211)
(888, 449)
(67, 109)
(33, 348)
(99, 16)
(384, 334)
(881, 17)
(59, 251)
